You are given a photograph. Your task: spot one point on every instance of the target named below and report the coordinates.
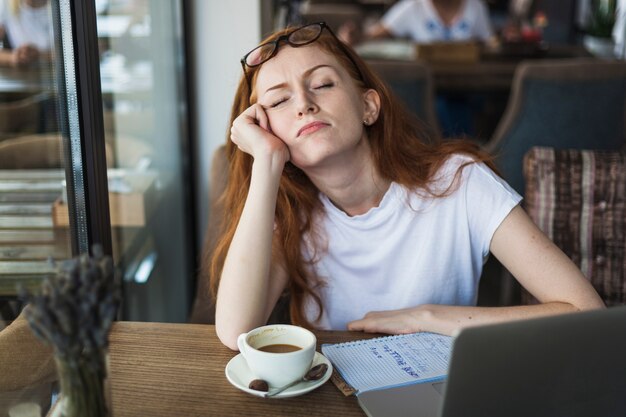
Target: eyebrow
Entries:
(305, 74)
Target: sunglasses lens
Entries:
(259, 55)
(299, 37)
(306, 34)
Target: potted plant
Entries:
(73, 313)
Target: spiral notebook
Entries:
(391, 361)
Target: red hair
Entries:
(402, 152)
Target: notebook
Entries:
(566, 365)
(391, 361)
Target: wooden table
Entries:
(159, 369)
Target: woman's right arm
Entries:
(250, 285)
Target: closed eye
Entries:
(327, 85)
(278, 102)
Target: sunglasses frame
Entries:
(285, 38)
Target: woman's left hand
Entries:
(408, 320)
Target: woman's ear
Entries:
(371, 108)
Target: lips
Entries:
(311, 127)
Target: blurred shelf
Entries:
(128, 206)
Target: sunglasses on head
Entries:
(301, 36)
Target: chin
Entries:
(307, 158)
(302, 164)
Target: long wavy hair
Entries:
(402, 152)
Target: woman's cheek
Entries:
(279, 129)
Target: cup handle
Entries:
(241, 343)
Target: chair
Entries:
(34, 114)
(565, 104)
(37, 151)
(45, 151)
(578, 198)
(27, 367)
(412, 82)
(203, 309)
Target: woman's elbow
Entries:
(591, 301)
(592, 304)
(227, 337)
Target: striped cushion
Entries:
(578, 198)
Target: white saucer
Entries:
(238, 374)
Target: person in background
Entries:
(336, 196)
(436, 20)
(427, 21)
(26, 31)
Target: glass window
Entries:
(34, 220)
(32, 157)
(142, 68)
(44, 198)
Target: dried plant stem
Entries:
(73, 312)
(82, 388)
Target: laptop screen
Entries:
(565, 365)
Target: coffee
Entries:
(279, 348)
(278, 353)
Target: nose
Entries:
(305, 104)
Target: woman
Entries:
(436, 20)
(426, 21)
(334, 196)
(26, 26)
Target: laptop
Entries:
(568, 365)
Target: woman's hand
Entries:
(251, 132)
(407, 320)
(24, 55)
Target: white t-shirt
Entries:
(410, 250)
(30, 26)
(418, 20)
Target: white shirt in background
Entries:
(418, 20)
(30, 26)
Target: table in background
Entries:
(159, 369)
(494, 71)
(25, 81)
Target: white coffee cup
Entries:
(278, 369)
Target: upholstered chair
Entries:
(412, 83)
(27, 368)
(578, 198)
(564, 104)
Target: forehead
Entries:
(289, 62)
